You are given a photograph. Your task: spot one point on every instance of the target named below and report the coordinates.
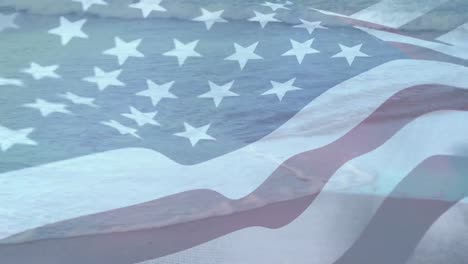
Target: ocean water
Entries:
(237, 122)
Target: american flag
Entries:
(233, 132)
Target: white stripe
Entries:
(15, 82)
(457, 37)
(456, 51)
(396, 13)
(333, 223)
(100, 182)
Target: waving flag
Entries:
(170, 131)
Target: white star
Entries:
(47, 108)
(300, 49)
(309, 25)
(9, 81)
(274, 6)
(123, 50)
(148, 6)
(39, 72)
(280, 89)
(105, 79)
(156, 92)
(86, 4)
(218, 92)
(141, 118)
(243, 55)
(209, 18)
(195, 134)
(183, 51)
(78, 100)
(263, 19)
(7, 21)
(68, 30)
(123, 130)
(350, 53)
(10, 137)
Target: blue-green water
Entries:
(237, 122)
